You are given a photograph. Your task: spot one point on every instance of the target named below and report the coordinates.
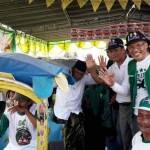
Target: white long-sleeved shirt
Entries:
(119, 73)
(70, 101)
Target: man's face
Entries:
(144, 121)
(116, 54)
(78, 75)
(138, 50)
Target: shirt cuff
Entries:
(115, 86)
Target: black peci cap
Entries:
(115, 43)
(80, 65)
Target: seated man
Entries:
(141, 140)
(22, 125)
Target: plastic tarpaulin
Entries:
(24, 67)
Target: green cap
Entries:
(144, 104)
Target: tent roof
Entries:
(54, 24)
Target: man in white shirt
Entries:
(117, 53)
(141, 140)
(67, 107)
(137, 78)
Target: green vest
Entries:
(133, 80)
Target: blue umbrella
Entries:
(27, 69)
(24, 67)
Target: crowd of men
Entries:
(107, 106)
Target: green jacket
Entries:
(133, 80)
(98, 96)
(4, 123)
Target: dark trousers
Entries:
(94, 133)
(127, 124)
(74, 133)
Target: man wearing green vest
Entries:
(137, 77)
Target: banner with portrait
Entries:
(7, 41)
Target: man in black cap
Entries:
(117, 53)
(139, 67)
(137, 77)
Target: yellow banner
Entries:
(65, 3)
(61, 45)
(24, 44)
(137, 3)
(123, 3)
(30, 1)
(109, 4)
(82, 3)
(147, 2)
(95, 4)
(49, 2)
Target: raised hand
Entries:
(102, 62)
(90, 62)
(108, 78)
(17, 109)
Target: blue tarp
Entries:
(37, 73)
(55, 131)
(24, 67)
